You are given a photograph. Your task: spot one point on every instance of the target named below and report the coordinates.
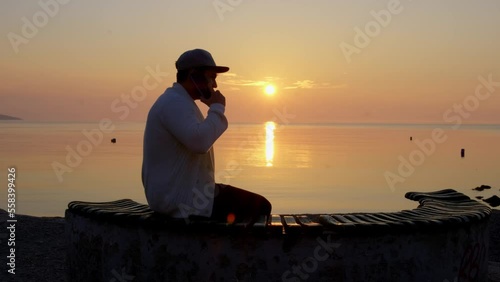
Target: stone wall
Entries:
(100, 251)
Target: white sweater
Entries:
(178, 158)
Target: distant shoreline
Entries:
(6, 117)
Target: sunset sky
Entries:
(329, 61)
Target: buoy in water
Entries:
(462, 153)
(113, 140)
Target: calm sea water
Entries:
(299, 168)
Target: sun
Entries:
(270, 89)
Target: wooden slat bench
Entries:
(445, 237)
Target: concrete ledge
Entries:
(446, 237)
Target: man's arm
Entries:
(181, 119)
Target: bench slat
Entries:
(305, 221)
(332, 223)
(275, 224)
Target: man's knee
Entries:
(266, 206)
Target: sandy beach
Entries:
(40, 248)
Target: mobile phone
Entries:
(201, 83)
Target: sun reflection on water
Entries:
(270, 127)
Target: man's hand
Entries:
(216, 97)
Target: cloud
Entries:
(229, 74)
(304, 84)
(310, 84)
(235, 81)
